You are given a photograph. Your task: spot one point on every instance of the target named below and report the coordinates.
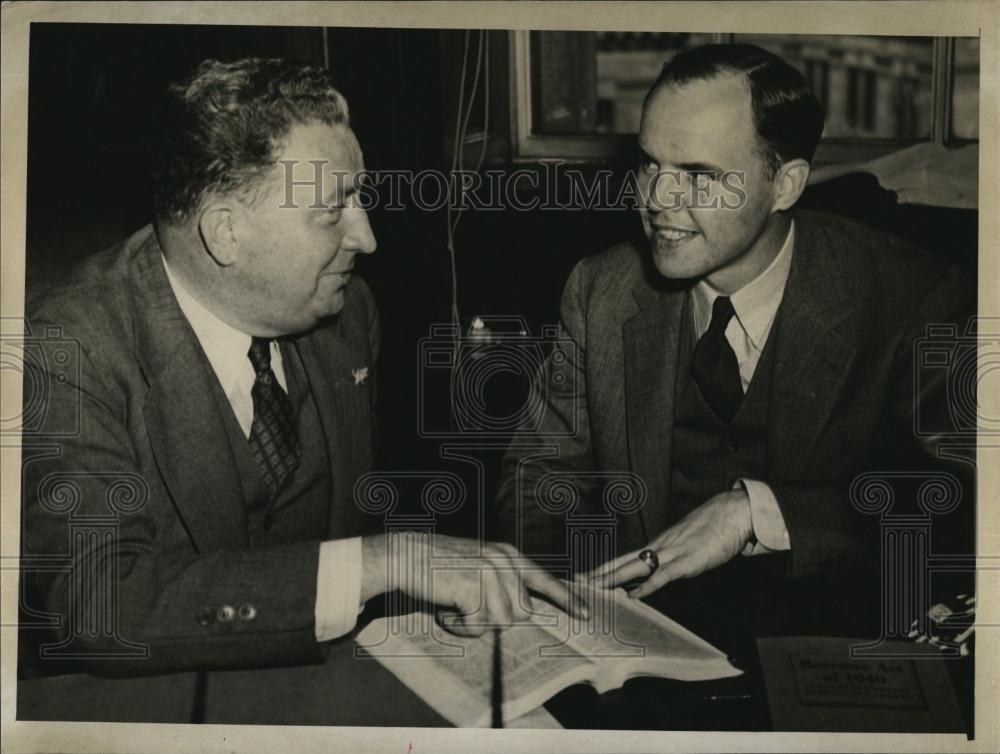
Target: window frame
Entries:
(529, 146)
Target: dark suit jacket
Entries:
(126, 432)
(842, 398)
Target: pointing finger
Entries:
(560, 593)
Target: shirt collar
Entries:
(755, 303)
(224, 345)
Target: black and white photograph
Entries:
(378, 376)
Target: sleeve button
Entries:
(247, 612)
(205, 616)
(226, 613)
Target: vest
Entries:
(708, 455)
(724, 605)
(300, 510)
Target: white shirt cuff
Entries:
(338, 588)
(765, 518)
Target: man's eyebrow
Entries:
(643, 156)
(350, 188)
(688, 167)
(699, 167)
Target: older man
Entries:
(216, 410)
(740, 371)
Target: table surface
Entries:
(351, 688)
(819, 608)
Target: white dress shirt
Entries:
(756, 305)
(338, 583)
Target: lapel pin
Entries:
(360, 375)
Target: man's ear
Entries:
(789, 184)
(217, 228)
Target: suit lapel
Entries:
(185, 427)
(813, 356)
(651, 341)
(328, 362)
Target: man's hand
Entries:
(477, 584)
(712, 534)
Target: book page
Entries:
(599, 637)
(621, 628)
(621, 638)
(671, 650)
(647, 626)
(455, 675)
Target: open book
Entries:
(455, 675)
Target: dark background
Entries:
(90, 90)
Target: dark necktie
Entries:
(715, 367)
(273, 440)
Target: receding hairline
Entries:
(765, 151)
(344, 135)
(733, 75)
(343, 129)
(723, 73)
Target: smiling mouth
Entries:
(338, 279)
(671, 237)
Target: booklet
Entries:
(817, 683)
(527, 663)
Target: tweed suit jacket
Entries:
(843, 393)
(131, 434)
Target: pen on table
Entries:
(496, 692)
(726, 697)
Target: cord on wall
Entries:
(454, 214)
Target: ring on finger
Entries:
(650, 560)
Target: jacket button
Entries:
(226, 613)
(268, 522)
(733, 446)
(247, 611)
(205, 616)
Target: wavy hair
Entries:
(222, 128)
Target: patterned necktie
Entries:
(273, 440)
(715, 367)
